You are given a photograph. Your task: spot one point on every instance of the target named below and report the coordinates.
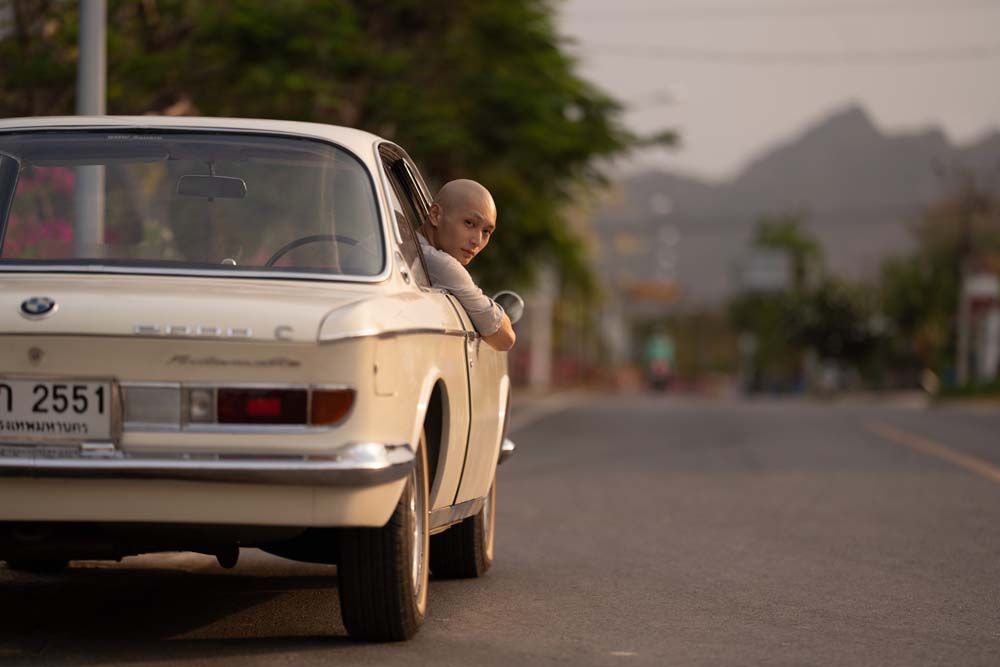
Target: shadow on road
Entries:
(91, 616)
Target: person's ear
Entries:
(435, 214)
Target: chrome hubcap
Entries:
(417, 511)
(489, 521)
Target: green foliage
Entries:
(835, 321)
(920, 298)
(38, 56)
(832, 318)
(985, 390)
(920, 291)
(770, 317)
(478, 89)
(773, 318)
(785, 233)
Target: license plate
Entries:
(55, 410)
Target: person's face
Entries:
(462, 228)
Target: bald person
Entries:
(463, 217)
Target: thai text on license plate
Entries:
(54, 410)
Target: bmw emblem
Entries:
(37, 307)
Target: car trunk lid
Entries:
(217, 308)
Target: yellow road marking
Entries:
(929, 447)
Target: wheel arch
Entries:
(435, 427)
(433, 416)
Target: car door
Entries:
(488, 382)
(452, 364)
(488, 386)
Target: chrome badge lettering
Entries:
(273, 362)
(183, 330)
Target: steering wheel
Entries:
(306, 240)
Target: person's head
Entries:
(462, 219)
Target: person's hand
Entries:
(503, 338)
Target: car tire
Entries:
(465, 551)
(38, 565)
(382, 572)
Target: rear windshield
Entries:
(186, 202)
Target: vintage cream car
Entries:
(218, 333)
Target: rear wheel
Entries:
(382, 572)
(465, 550)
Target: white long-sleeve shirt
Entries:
(448, 273)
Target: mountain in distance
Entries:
(861, 188)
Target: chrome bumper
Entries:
(364, 464)
(507, 448)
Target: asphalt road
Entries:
(631, 530)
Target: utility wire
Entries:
(778, 11)
(719, 56)
(693, 222)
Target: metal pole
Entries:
(91, 85)
(542, 314)
(964, 334)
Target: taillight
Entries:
(262, 406)
(329, 406)
(253, 405)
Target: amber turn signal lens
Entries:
(329, 406)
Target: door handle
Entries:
(470, 340)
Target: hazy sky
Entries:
(735, 76)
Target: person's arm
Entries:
(503, 338)
(447, 273)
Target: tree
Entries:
(823, 314)
(472, 88)
(784, 233)
(776, 319)
(835, 320)
(920, 291)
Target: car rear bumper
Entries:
(364, 464)
(357, 485)
(157, 501)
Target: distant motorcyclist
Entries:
(660, 351)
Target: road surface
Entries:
(632, 530)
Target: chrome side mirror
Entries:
(511, 303)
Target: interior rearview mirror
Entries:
(512, 304)
(211, 187)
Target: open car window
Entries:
(186, 201)
(407, 221)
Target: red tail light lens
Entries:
(262, 406)
(329, 406)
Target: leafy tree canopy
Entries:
(920, 291)
(480, 89)
(785, 233)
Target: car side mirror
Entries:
(511, 303)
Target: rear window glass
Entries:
(185, 201)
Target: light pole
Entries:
(91, 86)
